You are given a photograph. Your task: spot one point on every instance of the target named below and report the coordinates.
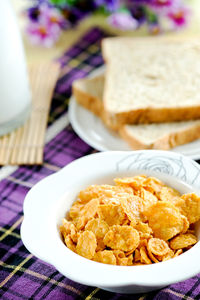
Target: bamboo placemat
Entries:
(25, 145)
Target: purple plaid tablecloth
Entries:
(23, 276)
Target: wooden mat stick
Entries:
(4, 141)
(9, 146)
(25, 133)
(16, 146)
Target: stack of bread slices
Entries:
(149, 91)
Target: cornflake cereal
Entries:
(123, 238)
(138, 221)
(165, 220)
(106, 257)
(183, 241)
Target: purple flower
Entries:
(162, 7)
(161, 3)
(33, 13)
(110, 5)
(174, 10)
(52, 15)
(123, 21)
(43, 34)
(179, 16)
(47, 28)
(48, 17)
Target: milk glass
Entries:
(15, 98)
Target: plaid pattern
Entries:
(23, 276)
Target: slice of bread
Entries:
(163, 136)
(89, 91)
(151, 80)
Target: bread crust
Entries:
(167, 142)
(152, 115)
(88, 101)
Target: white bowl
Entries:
(48, 201)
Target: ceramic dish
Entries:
(49, 200)
(92, 130)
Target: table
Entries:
(23, 276)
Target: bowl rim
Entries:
(85, 271)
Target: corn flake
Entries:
(86, 244)
(106, 257)
(111, 214)
(144, 256)
(65, 228)
(69, 243)
(144, 230)
(133, 182)
(116, 195)
(134, 207)
(127, 253)
(80, 222)
(167, 256)
(186, 224)
(130, 260)
(153, 185)
(98, 227)
(168, 194)
(183, 241)
(100, 245)
(165, 220)
(91, 192)
(75, 210)
(157, 246)
(189, 206)
(68, 228)
(137, 255)
(131, 208)
(90, 209)
(121, 259)
(178, 252)
(124, 238)
(143, 242)
(152, 256)
(148, 197)
(87, 212)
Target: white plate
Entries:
(92, 130)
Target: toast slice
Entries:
(89, 92)
(157, 79)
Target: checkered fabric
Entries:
(23, 276)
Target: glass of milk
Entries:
(15, 97)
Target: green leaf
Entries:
(64, 2)
(123, 9)
(150, 15)
(72, 2)
(101, 10)
(58, 2)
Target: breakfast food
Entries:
(89, 93)
(139, 220)
(150, 80)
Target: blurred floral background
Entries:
(48, 18)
